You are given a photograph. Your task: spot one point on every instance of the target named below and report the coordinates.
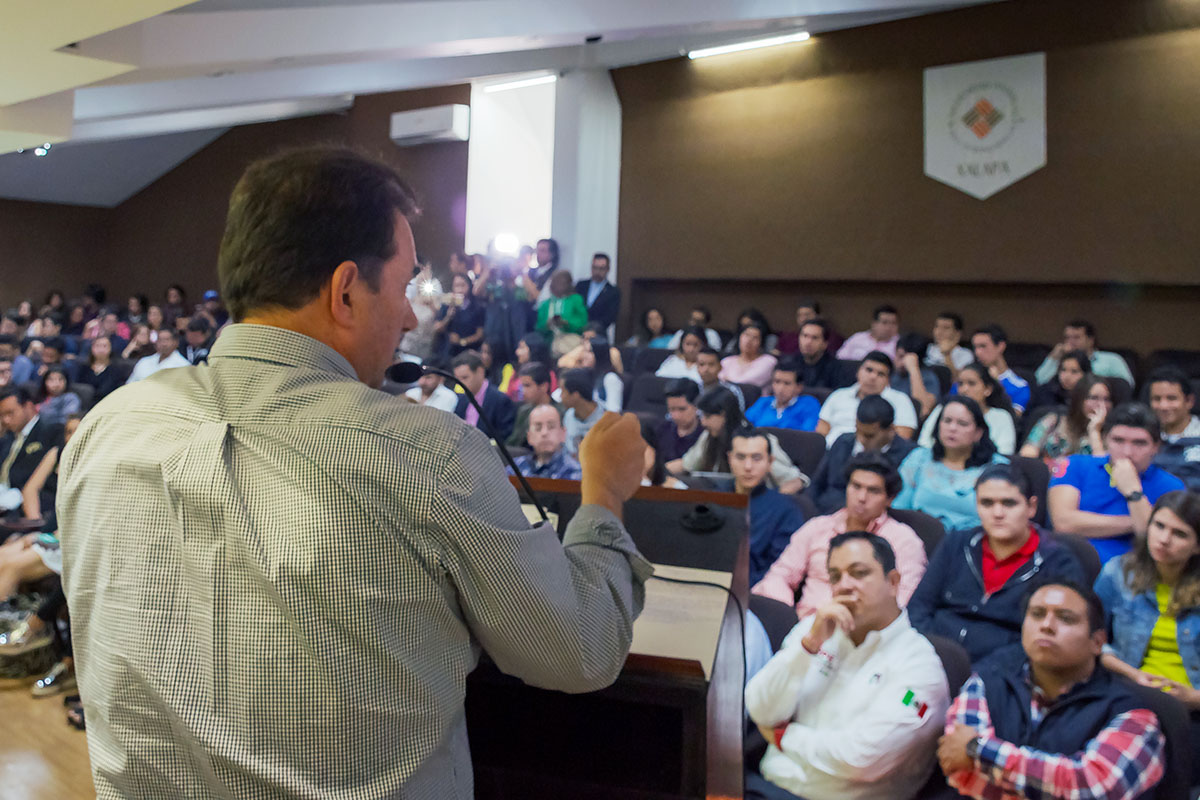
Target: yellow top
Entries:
(1162, 655)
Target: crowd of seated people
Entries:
(943, 427)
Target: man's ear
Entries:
(1099, 639)
(341, 284)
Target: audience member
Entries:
(680, 430)
(507, 307)
(44, 480)
(135, 309)
(871, 484)
(213, 309)
(977, 383)
(26, 440)
(1077, 431)
(989, 344)
(141, 343)
(535, 388)
(23, 369)
(76, 321)
(196, 341)
(431, 389)
(940, 480)
(547, 439)
(682, 363)
(155, 318)
(806, 311)
(531, 348)
(424, 293)
(5, 372)
(946, 349)
(924, 392)
(752, 316)
(578, 388)
(654, 331)
(499, 412)
(874, 432)
(708, 365)
(1043, 720)
(849, 715)
(698, 317)
(655, 466)
(1152, 599)
(1108, 498)
(110, 326)
(576, 356)
(882, 336)
(1071, 367)
(175, 305)
(536, 281)
(1081, 335)
(819, 366)
(785, 407)
(1170, 394)
(874, 373)
(458, 324)
(610, 389)
(100, 372)
(166, 356)
(603, 300)
(773, 517)
(974, 586)
(54, 350)
(751, 364)
(55, 402)
(563, 311)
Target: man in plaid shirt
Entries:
(1046, 720)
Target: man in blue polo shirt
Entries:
(773, 517)
(785, 407)
(1108, 498)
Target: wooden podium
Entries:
(665, 730)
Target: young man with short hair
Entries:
(1080, 334)
(708, 364)
(1171, 398)
(431, 389)
(535, 389)
(785, 407)
(680, 430)
(578, 387)
(913, 378)
(819, 367)
(874, 432)
(773, 517)
(946, 349)
(1108, 498)
(871, 485)
(23, 369)
(547, 439)
(499, 411)
(880, 337)
(853, 702)
(989, 343)
(874, 374)
(1046, 720)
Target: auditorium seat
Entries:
(85, 393)
(1038, 474)
(1122, 391)
(646, 394)
(1027, 355)
(847, 372)
(1186, 360)
(1083, 551)
(804, 448)
(819, 392)
(649, 359)
(750, 392)
(629, 354)
(944, 379)
(1132, 358)
(929, 529)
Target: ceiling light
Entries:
(520, 84)
(40, 151)
(750, 45)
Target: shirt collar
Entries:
(791, 403)
(29, 426)
(839, 521)
(482, 391)
(1024, 553)
(273, 345)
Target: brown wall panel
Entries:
(46, 246)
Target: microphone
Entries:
(408, 372)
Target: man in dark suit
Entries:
(498, 410)
(874, 431)
(27, 439)
(602, 299)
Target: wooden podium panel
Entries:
(662, 731)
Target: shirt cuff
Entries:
(598, 526)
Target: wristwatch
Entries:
(1133, 497)
(973, 748)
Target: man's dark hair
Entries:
(749, 432)
(1089, 329)
(54, 317)
(536, 371)
(469, 358)
(884, 553)
(437, 362)
(879, 357)
(607, 260)
(792, 365)
(198, 325)
(992, 331)
(886, 308)
(293, 218)
(1170, 374)
(708, 351)
(22, 394)
(169, 332)
(54, 343)
(1095, 608)
(682, 387)
(821, 323)
(874, 462)
(8, 339)
(954, 317)
(813, 304)
(1009, 473)
(704, 310)
(598, 328)
(553, 245)
(1133, 415)
(914, 342)
(578, 381)
(875, 410)
(694, 330)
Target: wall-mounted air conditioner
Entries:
(450, 123)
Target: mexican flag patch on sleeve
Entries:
(911, 700)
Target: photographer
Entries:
(459, 324)
(507, 308)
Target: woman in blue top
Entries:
(941, 480)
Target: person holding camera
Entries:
(459, 323)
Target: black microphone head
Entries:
(404, 372)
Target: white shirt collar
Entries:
(29, 426)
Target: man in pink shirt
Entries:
(872, 484)
(883, 335)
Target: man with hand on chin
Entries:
(852, 703)
(1045, 720)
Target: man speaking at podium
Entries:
(280, 577)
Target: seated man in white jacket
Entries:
(853, 702)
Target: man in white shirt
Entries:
(852, 704)
(166, 357)
(875, 372)
(1171, 399)
(699, 317)
(431, 391)
(946, 349)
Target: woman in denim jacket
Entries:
(1152, 597)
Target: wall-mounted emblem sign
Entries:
(985, 123)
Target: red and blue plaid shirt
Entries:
(1124, 760)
